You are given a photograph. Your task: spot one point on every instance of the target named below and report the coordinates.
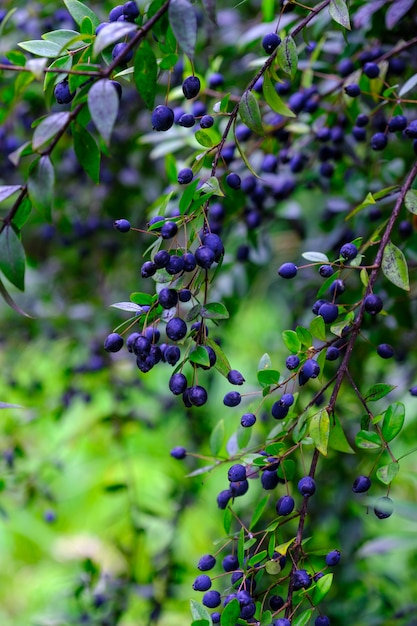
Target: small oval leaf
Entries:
(103, 103)
(394, 266)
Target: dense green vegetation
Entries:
(279, 215)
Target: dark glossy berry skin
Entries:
(175, 264)
(345, 67)
(233, 180)
(189, 262)
(178, 453)
(353, 90)
(169, 230)
(162, 118)
(310, 369)
(271, 42)
(142, 346)
(373, 304)
(371, 70)
(236, 472)
(329, 312)
(191, 87)
(232, 398)
(197, 395)
(361, 484)
(202, 583)
(161, 259)
(185, 176)
(214, 242)
(121, 48)
(122, 225)
(247, 420)
(130, 342)
(398, 123)
(332, 558)
(385, 351)
(279, 411)
(204, 257)
(379, 141)
(130, 10)
(184, 295)
(413, 390)
(148, 269)
(206, 563)
(235, 378)
(62, 93)
(411, 130)
(306, 486)
(223, 498)
(172, 355)
(206, 121)
(332, 353)
(113, 343)
(187, 120)
(276, 602)
(337, 287)
(168, 298)
(285, 505)
(176, 329)
(238, 487)
(348, 251)
(292, 362)
(362, 120)
(288, 270)
(322, 620)
(269, 479)
(211, 599)
(301, 579)
(230, 563)
(116, 12)
(384, 507)
(287, 399)
(359, 133)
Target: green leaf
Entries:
(199, 356)
(143, 299)
(8, 190)
(61, 37)
(227, 520)
(316, 257)
(243, 155)
(408, 85)
(41, 183)
(188, 194)
(319, 430)
(318, 328)
(250, 113)
(12, 304)
(103, 104)
(264, 362)
(272, 567)
(230, 613)
(303, 618)
(201, 622)
(222, 363)
(257, 558)
(368, 440)
(79, 11)
(109, 34)
(87, 152)
(387, 473)
(199, 612)
(183, 21)
(322, 588)
(393, 421)
(273, 98)
(304, 336)
(286, 470)
(291, 340)
(41, 48)
(257, 514)
(62, 63)
(211, 186)
(268, 377)
(340, 13)
(287, 57)
(214, 311)
(49, 127)
(337, 438)
(411, 201)
(193, 313)
(243, 437)
(22, 213)
(204, 139)
(378, 391)
(394, 266)
(77, 80)
(12, 257)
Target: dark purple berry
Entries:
(175, 264)
(301, 579)
(168, 298)
(371, 70)
(353, 90)
(206, 121)
(211, 599)
(230, 563)
(176, 329)
(359, 133)
(161, 259)
(148, 269)
(162, 118)
(184, 295)
(413, 390)
(122, 225)
(362, 120)
(236, 472)
(279, 411)
(332, 353)
(169, 230)
(247, 420)
(348, 251)
(187, 120)
(191, 87)
(177, 384)
(172, 355)
(130, 10)
(178, 453)
(113, 343)
(361, 484)
(235, 378)
(306, 486)
(288, 270)
(333, 557)
(233, 180)
(373, 304)
(292, 362)
(285, 505)
(185, 176)
(326, 271)
(397, 123)
(322, 620)
(269, 479)
(345, 67)
(202, 583)
(214, 242)
(62, 93)
(119, 49)
(276, 602)
(238, 487)
(385, 351)
(116, 12)
(329, 312)
(197, 395)
(233, 398)
(271, 42)
(204, 257)
(206, 563)
(379, 141)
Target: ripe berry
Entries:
(122, 225)
(238, 487)
(379, 141)
(189, 262)
(113, 343)
(348, 251)
(332, 353)
(176, 329)
(206, 121)
(413, 390)
(204, 257)
(130, 10)
(301, 579)
(214, 242)
(62, 93)
(185, 176)
(187, 120)
(269, 479)
(178, 453)
(306, 486)
(191, 87)
(233, 180)
(353, 90)
(292, 362)
(184, 295)
(236, 472)
(211, 599)
(120, 48)
(411, 130)
(385, 351)
(310, 369)
(276, 602)
(206, 563)
(197, 395)
(329, 312)
(271, 42)
(397, 123)
(230, 563)
(288, 270)
(162, 118)
(116, 12)
(202, 583)
(161, 258)
(345, 67)
(223, 498)
(371, 70)
(333, 557)
(169, 230)
(172, 355)
(384, 507)
(322, 620)
(373, 304)
(279, 411)
(235, 378)
(285, 505)
(233, 398)
(247, 420)
(148, 269)
(362, 120)
(168, 298)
